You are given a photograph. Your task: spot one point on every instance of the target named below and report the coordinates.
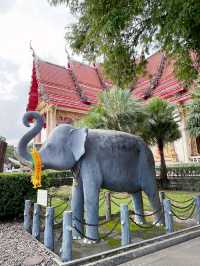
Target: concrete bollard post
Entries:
(162, 196)
(108, 206)
(168, 216)
(48, 231)
(197, 203)
(125, 233)
(36, 221)
(66, 250)
(27, 215)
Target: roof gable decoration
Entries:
(155, 80)
(83, 98)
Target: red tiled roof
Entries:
(168, 86)
(56, 85)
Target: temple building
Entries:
(63, 94)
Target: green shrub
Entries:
(16, 187)
(182, 170)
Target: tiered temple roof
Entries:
(77, 85)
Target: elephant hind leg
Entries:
(138, 207)
(156, 206)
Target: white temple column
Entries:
(51, 120)
(182, 144)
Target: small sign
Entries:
(42, 197)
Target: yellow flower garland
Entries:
(36, 177)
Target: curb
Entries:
(123, 254)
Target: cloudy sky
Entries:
(20, 22)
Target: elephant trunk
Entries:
(24, 155)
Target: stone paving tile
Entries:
(184, 254)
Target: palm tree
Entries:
(160, 128)
(116, 110)
(193, 121)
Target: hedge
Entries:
(181, 170)
(16, 187)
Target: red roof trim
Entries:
(58, 87)
(33, 93)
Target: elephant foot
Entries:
(158, 224)
(76, 238)
(87, 241)
(138, 220)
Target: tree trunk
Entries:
(3, 146)
(163, 168)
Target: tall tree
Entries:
(10, 152)
(193, 121)
(3, 146)
(160, 128)
(116, 110)
(117, 30)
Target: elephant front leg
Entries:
(138, 207)
(77, 206)
(92, 218)
(91, 203)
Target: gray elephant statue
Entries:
(108, 159)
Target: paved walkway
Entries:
(184, 254)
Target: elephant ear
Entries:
(77, 141)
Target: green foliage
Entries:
(116, 31)
(193, 121)
(182, 170)
(10, 152)
(2, 139)
(17, 187)
(161, 123)
(160, 128)
(116, 110)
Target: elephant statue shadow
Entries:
(108, 159)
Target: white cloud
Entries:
(20, 22)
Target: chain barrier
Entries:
(146, 215)
(94, 225)
(55, 217)
(177, 201)
(182, 212)
(184, 218)
(59, 205)
(83, 235)
(101, 197)
(102, 237)
(183, 207)
(115, 203)
(147, 226)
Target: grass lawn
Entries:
(61, 203)
(61, 195)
